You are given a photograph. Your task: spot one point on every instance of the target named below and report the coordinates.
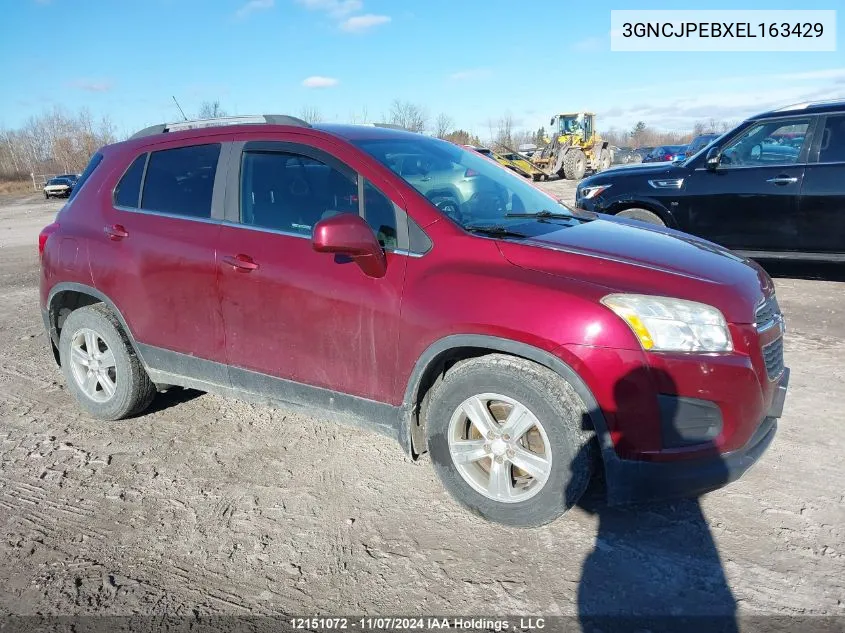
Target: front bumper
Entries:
(632, 481)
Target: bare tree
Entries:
(408, 115)
(52, 142)
(359, 116)
(211, 110)
(443, 125)
(502, 131)
(311, 114)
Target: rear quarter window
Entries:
(128, 191)
(95, 161)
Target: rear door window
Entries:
(180, 181)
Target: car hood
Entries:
(651, 169)
(627, 256)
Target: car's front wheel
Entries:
(101, 369)
(508, 440)
(643, 215)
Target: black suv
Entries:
(774, 187)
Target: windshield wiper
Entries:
(541, 214)
(493, 229)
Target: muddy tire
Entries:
(574, 165)
(604, 160)
(100, 366)
(643, 215)
(508, 441)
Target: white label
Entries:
(723, 31)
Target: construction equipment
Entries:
(574, 148)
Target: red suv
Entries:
(411, 286)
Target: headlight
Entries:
(672, 325)
(588, 193)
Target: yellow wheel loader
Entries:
(574, 148)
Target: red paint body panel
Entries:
(317, 318)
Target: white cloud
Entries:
(316, 81)
(335, 8)
(361, 23)
(91, 85)
(252, 6)
(471, 73)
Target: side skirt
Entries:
(173, 368)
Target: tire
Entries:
(46, 196)
(636, 158)
(604, 160)
(558, 412)
(131, 390)
(643, 215)
(574, 165)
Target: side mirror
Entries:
(714, 157)
(349, 234)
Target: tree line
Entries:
(61, 142)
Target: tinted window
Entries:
(96, 159)
(291, 193)
(832, 148)
(180, 181)
(766, 143)
(128, 190)
(380, 215)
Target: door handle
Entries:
(783, 180)
(115, 232)
(242, 263)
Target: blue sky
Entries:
(473, 59)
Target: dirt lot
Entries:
(211, 506)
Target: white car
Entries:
(58, 187)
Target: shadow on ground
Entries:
(654, 566)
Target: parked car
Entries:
(59, 187)
(700, 142)
(521, 343)
(664, 153)
(748, 192)
(642, 152)
(624, 155)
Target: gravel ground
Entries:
(210, 506)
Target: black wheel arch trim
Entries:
(617, 206)
(70, 286)
(440, 347)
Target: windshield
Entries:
(464, 185)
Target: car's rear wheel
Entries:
(507, 439)
(643, 215)
(101, 369)
(46, 196)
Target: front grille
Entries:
(767, 313)
(773, 357)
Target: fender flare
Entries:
(69, 286)
(507, 346)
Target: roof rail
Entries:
(390, 126)
(179, 126)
